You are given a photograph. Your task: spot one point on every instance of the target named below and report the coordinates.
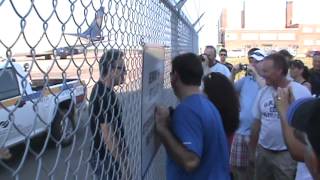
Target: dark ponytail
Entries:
(305, 73)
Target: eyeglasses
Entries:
(223, 54)
(121, 68)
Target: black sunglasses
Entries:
(123, 68)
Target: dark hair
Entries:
(250, 52)
(312, 129)
(300, 65)
(189, 68)
(286, 54)
(211, 47)
(316, 53)
(107, 59)
(279, 62)
(222, 94)
(223, 50)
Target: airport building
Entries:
(270, 26)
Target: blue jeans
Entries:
(105, 169)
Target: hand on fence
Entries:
(5, 153)
(162, 116)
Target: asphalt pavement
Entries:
(51, 162)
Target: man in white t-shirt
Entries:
(214, 66)
(273, 161)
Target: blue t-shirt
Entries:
(197, 124)
(248, 89)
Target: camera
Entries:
(202, 58)
(243, 67)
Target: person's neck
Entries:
(282, 83)
(188, 91)
(299, 79)
(212, 63)
(106, 81)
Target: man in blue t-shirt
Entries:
(193, 133)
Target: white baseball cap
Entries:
(258, 55)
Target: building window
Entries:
(231, 36)
(287, 36)
(249, 36)
(268, 36)
(307, 30)
(308, 42)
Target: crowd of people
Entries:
(262, 126)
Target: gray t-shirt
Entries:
(264, 109)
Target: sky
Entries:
(262, 13)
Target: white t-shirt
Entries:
(264, 109)
(303, 172)
(218, 67)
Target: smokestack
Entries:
(243, 16)
(289, 5)
(223, 19)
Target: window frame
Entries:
(15, 79)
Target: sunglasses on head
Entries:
(258, 54)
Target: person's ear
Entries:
(174, 76)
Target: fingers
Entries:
(291, 96)
(282, 93)
(5, 154)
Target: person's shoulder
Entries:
(229, 65)
(247, 78)
(194, 102)
(222, 66)
(266, 90)
(193, 99)
(299, 90)
(312, 71)
(294, 84)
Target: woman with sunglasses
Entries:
(300, 73)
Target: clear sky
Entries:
(262, 13)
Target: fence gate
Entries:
(50, 52)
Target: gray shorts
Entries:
(277, 165)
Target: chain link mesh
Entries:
(50, 62)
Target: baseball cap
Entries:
(304, 115)
(316, 53)
(258, 55)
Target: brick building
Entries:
(283, 31)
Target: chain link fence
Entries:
(50, 54)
